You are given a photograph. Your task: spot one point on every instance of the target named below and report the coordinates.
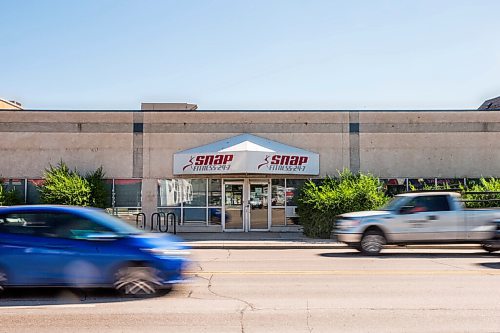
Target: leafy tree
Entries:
(65, 187)
(318, 205)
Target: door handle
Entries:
(432, 217)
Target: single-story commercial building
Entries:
(240, 170)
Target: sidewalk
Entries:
(282, 240)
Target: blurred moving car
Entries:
(85, 247)
(413, 218)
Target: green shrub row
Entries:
(319, 204)
(474, 200)
(66, 187)
(9, 198)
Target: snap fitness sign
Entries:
(202, 163)
(246, 163)
(290, 163)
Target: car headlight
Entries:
(168, 252)
(351, 223)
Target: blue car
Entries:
(85, 247)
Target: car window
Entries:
(76, 227)
(50, 224)
(25, 223)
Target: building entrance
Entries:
(246, 205)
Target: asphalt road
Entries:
(312, 290)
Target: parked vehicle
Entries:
(412, 218)
(85, 247)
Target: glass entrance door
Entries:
(259, 205)
(246, 205)
(233, 205)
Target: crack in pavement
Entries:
(199, 266)
(458, 267)
(307, 318)
(242, 311)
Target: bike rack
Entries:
(164, 216)
(158, 220)
(143, 225)
(162, 220)
(172, 220)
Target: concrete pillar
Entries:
(149, 197)
(354, 154)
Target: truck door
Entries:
(430, 218)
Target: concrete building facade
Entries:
(136, 150)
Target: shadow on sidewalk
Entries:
(353, 254)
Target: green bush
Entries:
(318, 205)
(98, 194)
(9, 198)
(65, 187)
(486, 200)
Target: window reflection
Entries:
(197, 193)
(278, 192)
(214, 192)
(292, 190)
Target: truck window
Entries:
(430, 203)
(433, 203)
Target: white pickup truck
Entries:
(415, 218)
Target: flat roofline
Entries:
(251, 110)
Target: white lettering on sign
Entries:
(289, 163)
(220, 162)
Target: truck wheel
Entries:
(491, 246)
(372, 242)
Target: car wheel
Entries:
(138, 281)
(491, 246)
(3, 280)
(372, 242)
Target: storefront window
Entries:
(128, 192)
(169, 193)
(195, 215)
(278, 193)
(215, 192)
(215, 215)
(33, 195)
(278, 217)
(292, 190)
(197, 193)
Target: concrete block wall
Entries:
(417, 144)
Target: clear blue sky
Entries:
(252, 54)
